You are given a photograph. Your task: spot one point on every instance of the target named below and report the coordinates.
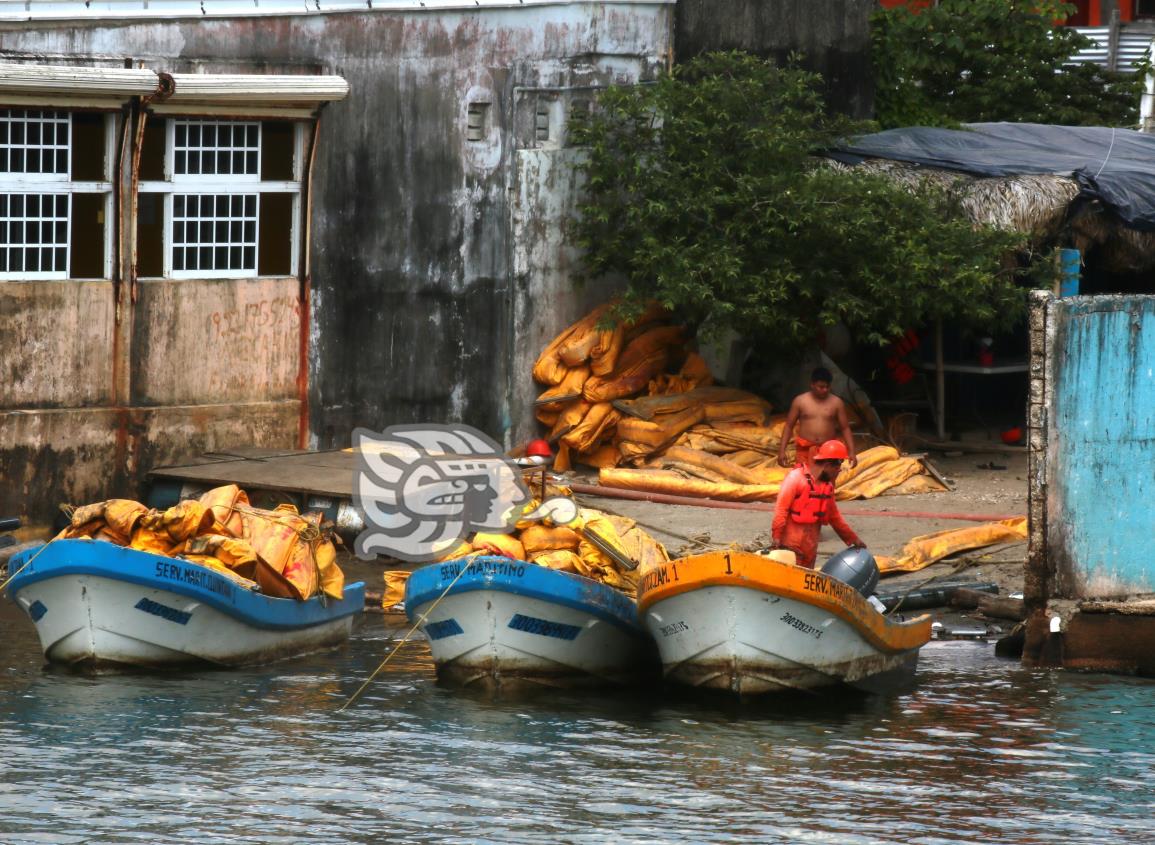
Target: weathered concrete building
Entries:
(192, 260)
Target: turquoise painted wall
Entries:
(1101, 449)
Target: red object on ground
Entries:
(1012, 435)
(538, 449)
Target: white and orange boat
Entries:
(741, 622)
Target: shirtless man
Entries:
(820, 416)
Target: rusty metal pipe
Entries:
(305, 288)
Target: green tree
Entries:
(703, 191)
(968, 61)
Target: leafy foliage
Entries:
(968, 61)
(703, 191)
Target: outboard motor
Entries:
(856, 567)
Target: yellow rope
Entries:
(405, 639)
(8, 580)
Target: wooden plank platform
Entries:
(319, 473)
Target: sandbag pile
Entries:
(566, 548)
(636, 404)
(280, 552)
(593, 377)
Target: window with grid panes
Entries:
(215, 233)
(56, 197)
(34, 154)
(219, 198)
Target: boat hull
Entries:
(765, 627)
(512, 624)
(96, 605)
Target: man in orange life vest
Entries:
(806, 503)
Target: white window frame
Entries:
(58, 184)
(242, 184)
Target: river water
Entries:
(980, 750)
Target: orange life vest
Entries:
(809, 506)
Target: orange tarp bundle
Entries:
(637, 544)
(744, 409)
(563, 560)
(721, 439)
(584, 341)
(695, 373)
(649, 407)
(728, 469)
(598, 423)
(596, 564)
(166, 532)
(548, 538)
(880, 470)
(285, 553)
(638, 438)
(114, 521)
(395, 580)
(567, 548)
(550, 403)
(672, 483)
(643, 358)
(609, 344)
(569, 419)
(549, 368)
(606, 455)
(498, 544)
(924, 550)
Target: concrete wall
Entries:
(1092, 420)
(439, 265)
(832, 36)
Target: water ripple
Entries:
(980, 751)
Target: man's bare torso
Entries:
(818, 419)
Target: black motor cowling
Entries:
(856, 567)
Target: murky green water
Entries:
(979, 751)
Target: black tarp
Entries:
(1114, 166)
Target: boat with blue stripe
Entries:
(495, 622)
(96, 604)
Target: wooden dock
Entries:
(309, 480)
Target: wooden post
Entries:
(1113, 41)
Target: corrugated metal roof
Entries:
(13, 10)
(1133, 45)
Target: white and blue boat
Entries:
(505, 623)
(96, 604)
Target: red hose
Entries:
(669, 499)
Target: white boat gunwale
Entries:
(490, 572)
(101, 559)
(818, 590)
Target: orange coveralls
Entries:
(802, 538)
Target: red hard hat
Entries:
(538, 449)
(831, 450)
